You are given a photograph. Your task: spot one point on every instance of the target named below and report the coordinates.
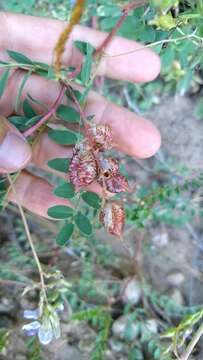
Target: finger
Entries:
(15, 153)
(36, 38)
(133, 134)
(35, 194)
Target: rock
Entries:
(161, 239)
(176, 278)
(116, 346)
(86, 345)
(176, 295)
(126, 328)
(131, 292)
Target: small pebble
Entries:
(176, 278)
(132, 292)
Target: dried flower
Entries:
(112, 216)
(101, 137)
(83, 166)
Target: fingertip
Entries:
(151, 66)
(150, 143)
(15, 152)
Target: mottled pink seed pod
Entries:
(83, 166)
(112, 216)
(101, 137)
(108, 167)
(117, 184)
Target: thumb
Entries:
(15, 152)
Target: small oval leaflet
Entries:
(63, 137)
(65, 191)
(60, 212)
(65, 234)
(83, 223)
(92, 199)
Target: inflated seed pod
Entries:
(108, 167)
(112, 217)
(83, 166)
(101, 137)
(117, 184)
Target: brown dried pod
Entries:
(112, 216)
(101, 137)
(108, 167)
(83, 166)
(117, 184)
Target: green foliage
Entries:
(65, 234)
(92, 199)
(4, 339)
(59, 164)
(65, 190)
(83, 223)
(68, 114)
(4, 81)
(63, 137)
(60, 212)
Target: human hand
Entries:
(36, 37)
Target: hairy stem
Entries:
(27, 231)
(60, 45)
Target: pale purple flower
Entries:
(47, 326)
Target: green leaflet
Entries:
(60, 212)
(65, 234)
(19, 58)
(4, 81)
(91, 199)
(83, 223)
(65, 191)
(68, 114)
(59, 164)
(63, 137)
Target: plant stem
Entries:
(192, 344)
(157, 43)
(125, 11)
(12, 283)
(46, 117)
(27, 231)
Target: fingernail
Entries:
(14, 151)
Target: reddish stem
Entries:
(75, 72)
(46, 117)
(125, 11)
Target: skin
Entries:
(36, 38)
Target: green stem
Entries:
(27, 230)
(192, 344)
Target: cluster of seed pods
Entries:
(89, 164)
